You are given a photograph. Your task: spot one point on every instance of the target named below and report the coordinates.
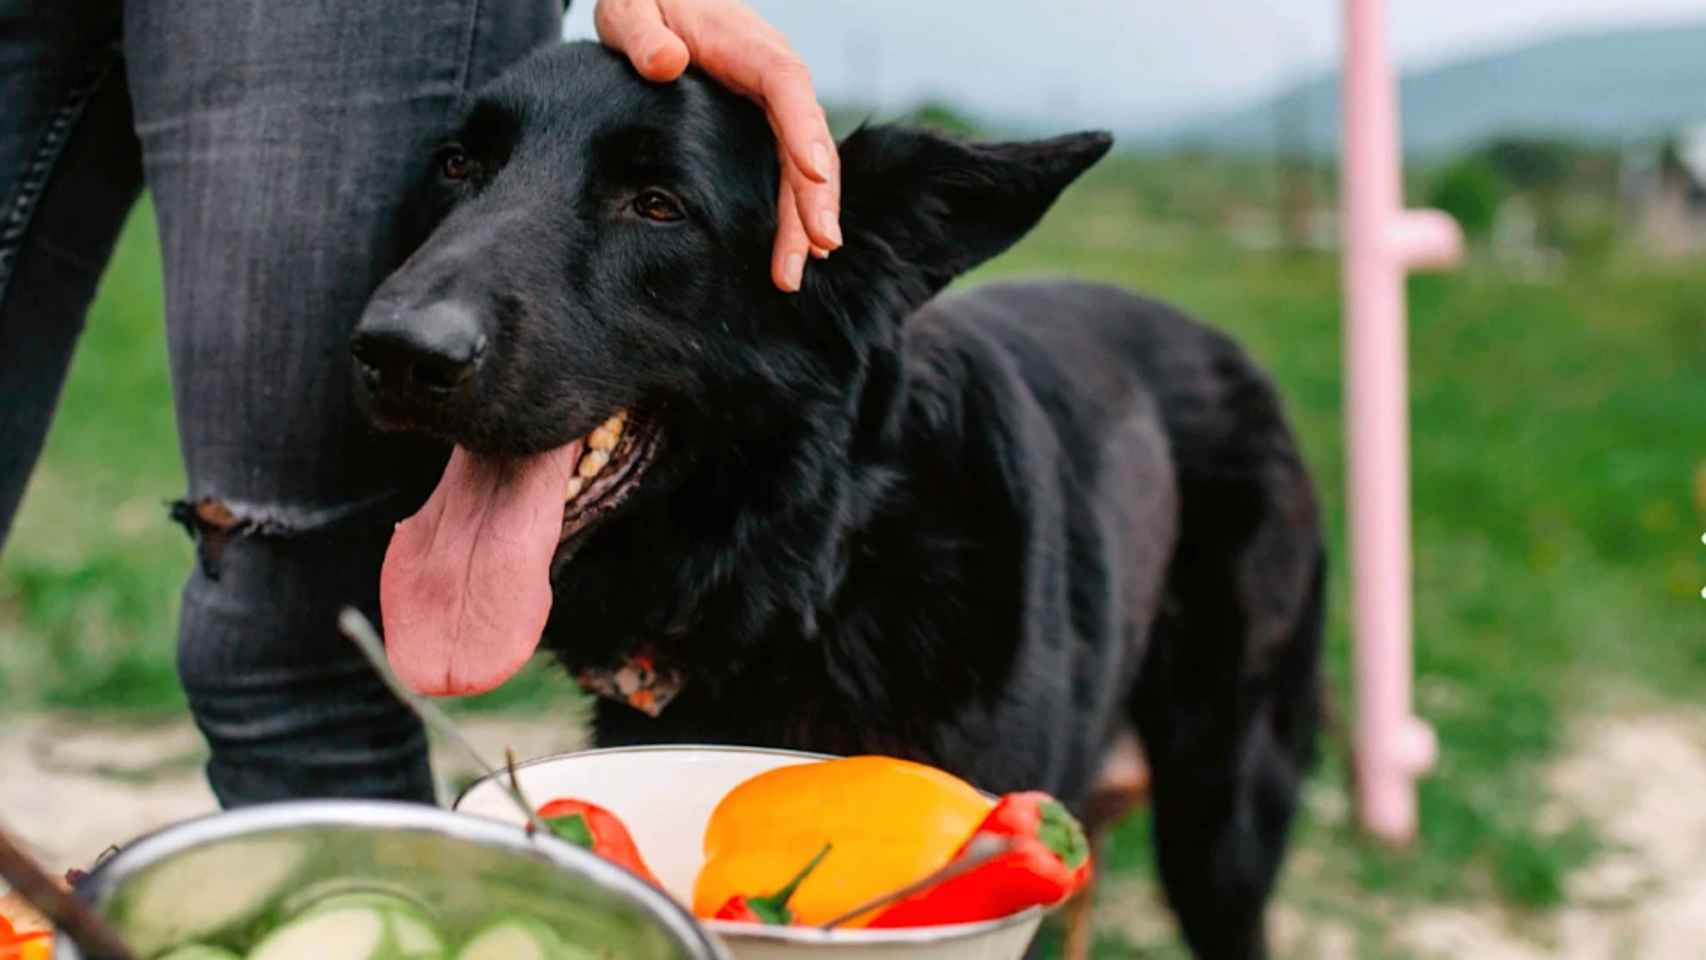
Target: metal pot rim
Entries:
(167, 842)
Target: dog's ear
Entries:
(937, 207)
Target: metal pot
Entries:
(219, 878)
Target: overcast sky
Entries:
(1125, 63)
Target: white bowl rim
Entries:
(861, 937)
(644, 748)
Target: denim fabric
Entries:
(279, 141)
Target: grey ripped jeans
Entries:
(278, 139)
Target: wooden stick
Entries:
(981, 850)
(366, 639)
(93, 936)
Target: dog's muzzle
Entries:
(418, 359)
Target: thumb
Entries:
(636, 28)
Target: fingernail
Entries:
(793, 270)
(820, 161)
(829, 223)
(819, 252)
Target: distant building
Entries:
(1663, 192)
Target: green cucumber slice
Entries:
(414, 935)
(176, 902)
(335, 890)
(411, 932)
(375, 899)
(351, 933)
(515, 939)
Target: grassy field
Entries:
(1559, 490)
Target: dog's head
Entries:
(592, 323)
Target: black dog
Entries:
(990, 531)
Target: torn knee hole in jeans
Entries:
(214, 522)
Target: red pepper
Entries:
(23, 946)
(1047, 860)
(773, 909)
(597, 829)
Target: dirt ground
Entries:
(70, 788)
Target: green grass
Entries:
(89, 579)
(1558, 494)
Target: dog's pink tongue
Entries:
(466, 584)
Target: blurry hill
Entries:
(1605, 85)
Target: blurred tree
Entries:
(1471, 191)
(845, 117)
(1295, 184)
(1532, 163)
(943, 117)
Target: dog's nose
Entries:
(433, 350)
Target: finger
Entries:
(637, 28)
(788, 262)
(791, 101)
(818, 212)
(726, 39)
(735, 45)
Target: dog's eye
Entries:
(657, 206)
(454, 163)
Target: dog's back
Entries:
(1175, 570)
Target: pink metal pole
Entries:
(1382, 243)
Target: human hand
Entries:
(731, 43)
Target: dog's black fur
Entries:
(984, 530)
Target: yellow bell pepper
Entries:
(888, 822)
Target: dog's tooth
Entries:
(603, 438)
(592, 463)
(576, 485)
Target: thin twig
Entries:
(515, 784)
(93, 936)
(980, 851)
(366, 639)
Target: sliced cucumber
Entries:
(377, 899)
(411, 932)
(175, 902)
(351, 933)
(414, 935)
(336, 889)
(516, 939)
(199, 951)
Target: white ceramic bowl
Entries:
(665, 795)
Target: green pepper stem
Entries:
(778, 901)
(1061, 833)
